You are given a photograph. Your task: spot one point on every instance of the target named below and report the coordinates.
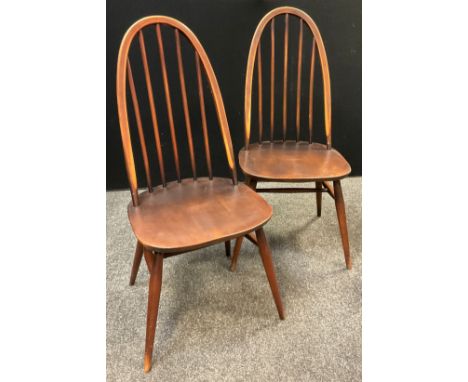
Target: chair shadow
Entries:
(192, 290)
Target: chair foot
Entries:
(265, 254)
(136, 262)
(341, 213)
(154, 295)
(148, 365)
(235, 255)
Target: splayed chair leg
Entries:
(340, 211)
(265, 254)
(227, 246)
(318, 196)
(153, 306)
(136, 262)
(235, 255)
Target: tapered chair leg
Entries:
(227, 246)
(340, 211)
(235, 255)
(136, 262)
(153, 306)
(318, 196)
(269, 269)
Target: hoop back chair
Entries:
(296, 160)
(184, 214)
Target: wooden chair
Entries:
(291, 160)
(186, 214)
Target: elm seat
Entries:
(293, 161)
(195, 213)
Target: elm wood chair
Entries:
(291, 160)
(186, 214)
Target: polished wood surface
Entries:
(293, 161)
(192, 214)
(180, 215)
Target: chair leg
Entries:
(235, 255)
(318, 196)
(340, 211)
(227, 246)
(136, 262)
(265, 254)
(153, 306)
(252, 183)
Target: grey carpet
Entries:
(215, 325)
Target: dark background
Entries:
(225, 29)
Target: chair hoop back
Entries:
(124, 75)
(255, 56)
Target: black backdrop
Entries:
(225, 29)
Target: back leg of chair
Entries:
(154, 294)
(227, 246)
(252, 183)
(318, 196)
(136, 262)
(265, 254)
(340, 211)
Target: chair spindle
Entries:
(203, 116)
(167, 94)
(185, 104)
(272, 80)
(285, 73)
(136, 108)
(152, 106)
(311, 89)
(299, 72)
(260, 94)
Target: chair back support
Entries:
(125, 75)
(255, 57)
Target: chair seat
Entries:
(293, 161)
(192, 214)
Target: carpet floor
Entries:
(215, 325)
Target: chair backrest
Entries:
(255, 57)
(125, 74)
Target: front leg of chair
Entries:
(154, 294)
(340, 211)
(252, 183)
(136, 262)
(265, 254)
(318, 196)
